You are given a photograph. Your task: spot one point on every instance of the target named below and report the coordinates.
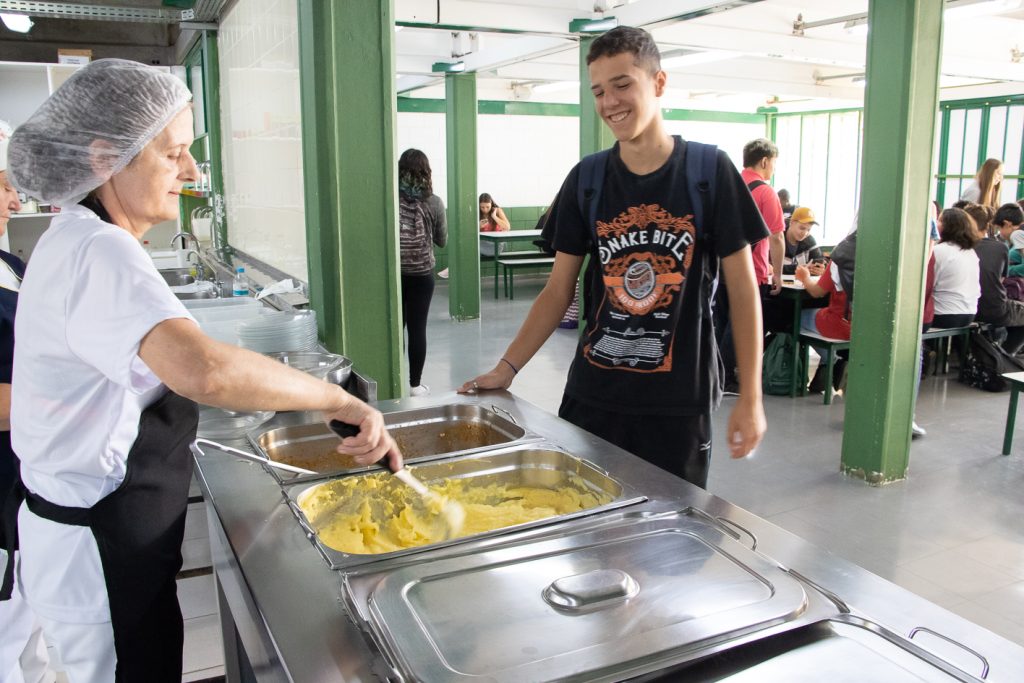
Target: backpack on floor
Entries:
(778, 361)
(985, 363)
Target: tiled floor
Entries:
(953, 532)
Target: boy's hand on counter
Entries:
(499, 378)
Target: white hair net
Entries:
(91, 128)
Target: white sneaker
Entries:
(443, 274)
(917, 430)
(419, 390)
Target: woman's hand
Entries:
(499, 378)
(372, 442)
(803, 273)
(816, 268)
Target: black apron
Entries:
(8, 462)
(139, 529)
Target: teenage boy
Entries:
(646, 372)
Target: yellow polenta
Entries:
(371, 514)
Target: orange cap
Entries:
(803, 215)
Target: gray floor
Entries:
(952, 532)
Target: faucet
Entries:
(185, 237)
(200, 268)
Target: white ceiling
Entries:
(523, 44)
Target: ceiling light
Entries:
(20, 23)
(556, 86)
(676, 58)
(857, 27)
(448, 67)
(962, 9)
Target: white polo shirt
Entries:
(89, 297)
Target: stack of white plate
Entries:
(279, 331)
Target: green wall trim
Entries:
(900, 104)
(463, 208)
(713, 116)
(991, 101)
(527, 108)
(351, 195)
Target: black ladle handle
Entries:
(345, 430)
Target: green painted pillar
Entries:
(211, 99)
(900, 107)
(347, 60)
(463, 208)
(594, 135)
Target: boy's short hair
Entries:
(1009, 212)
(621, 39)
(755, 150)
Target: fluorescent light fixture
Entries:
(556, 86)
(677, 58)
(593, 25)
(857, 27)
(963, 9)
(448, 67)
(20, 23)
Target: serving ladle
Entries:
(250, 456)
(451, 511)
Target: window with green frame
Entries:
(819, 163)
(973, 131)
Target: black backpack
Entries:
(985, 363)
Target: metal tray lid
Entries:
(633, 598)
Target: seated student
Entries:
(957, 287)
(801, 247)
(832, 321)
(993, 258)
(787, 206)
(492, 219)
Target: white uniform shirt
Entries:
(957, 279)
(79, 387)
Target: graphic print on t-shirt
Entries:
(645, 252)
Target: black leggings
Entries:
(417, 291)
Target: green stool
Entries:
(1016, 380)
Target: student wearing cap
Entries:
(801, 248)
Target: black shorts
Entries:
(678, 444)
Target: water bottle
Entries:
(240, 287)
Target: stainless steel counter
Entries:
(283, 612)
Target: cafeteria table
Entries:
(498, 238)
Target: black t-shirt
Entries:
(803, 252)
(649, 347)
(993, 262)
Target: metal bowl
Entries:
(317, 364)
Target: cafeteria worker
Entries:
(108, 368)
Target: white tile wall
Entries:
(262, 139)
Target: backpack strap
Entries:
(589, 185)
(701, 169)
(754, 184)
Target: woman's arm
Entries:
(225, 376)
(499, 217)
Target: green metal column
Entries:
(594, 135)
(211, 98)
(347, 59)
(900, 107)
(463, 208)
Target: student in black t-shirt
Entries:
(646, 372)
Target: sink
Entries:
(177, 276)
